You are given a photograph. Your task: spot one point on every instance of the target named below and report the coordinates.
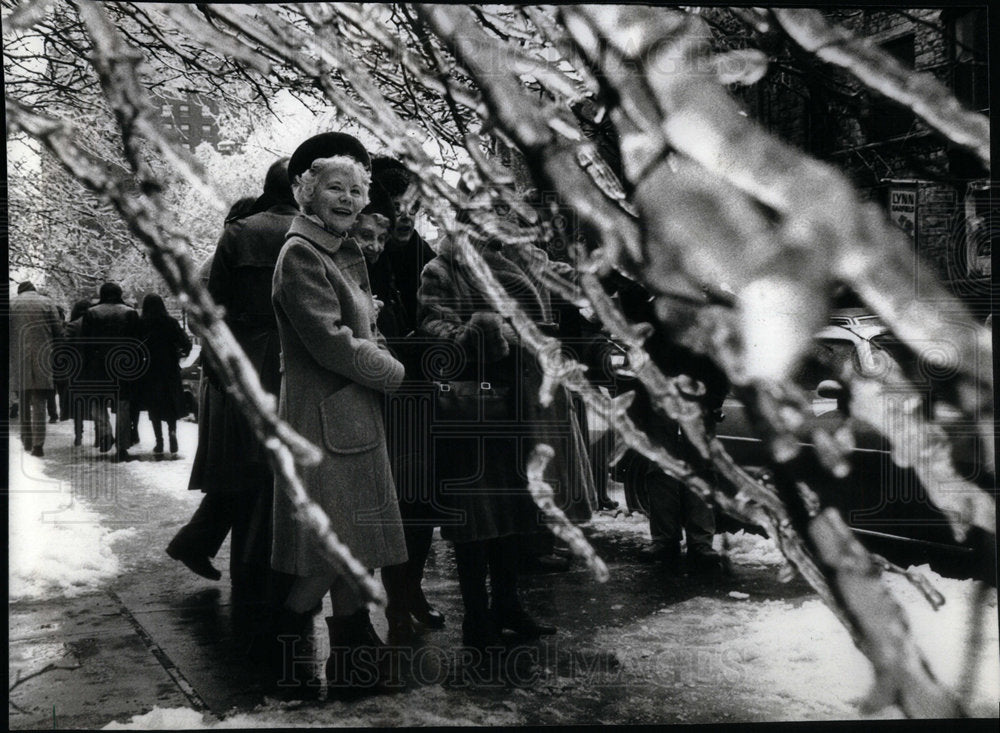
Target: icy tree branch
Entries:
(879, 70)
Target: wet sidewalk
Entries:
(163, 638)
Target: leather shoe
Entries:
(518, 621)
(707, 562)
(429, 617)
(423, 611)
(659, 552)
(197, 564)
(401, 629)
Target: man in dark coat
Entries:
(673, 506)
(34, 328)
(230, 465)
(113, 362)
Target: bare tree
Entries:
(706, 197)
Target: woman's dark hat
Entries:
(380, 202)
(326, 145)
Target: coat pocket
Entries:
(351, 424)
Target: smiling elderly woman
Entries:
(336, 370)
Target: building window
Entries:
(165, 110)
(185, 128)
(184, 108)
(968, 33)
(886, 118)
(206, 129)
(206, 110)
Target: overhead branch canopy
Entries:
(625, 141)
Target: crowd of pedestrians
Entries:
(383, 352)
(105, 359)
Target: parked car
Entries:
(886, 506)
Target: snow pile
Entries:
(810, 655)
(163, 719)
(779, 660)
(428, 706)
(746, 548)
(57, 545)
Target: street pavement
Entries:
(159, 636)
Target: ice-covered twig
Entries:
(917, 580)
(561, 527)
(901, 674)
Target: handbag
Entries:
(470, 401)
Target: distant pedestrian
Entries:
(113, 363)
(77, 397)
(35, 327)
(61, 380)
(160, 390)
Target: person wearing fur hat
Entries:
(336, 371)
(487, 422)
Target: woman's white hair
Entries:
(305, 186)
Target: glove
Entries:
(493, 343)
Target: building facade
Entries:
(938, 193)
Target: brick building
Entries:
(195, 118)
(937, 192)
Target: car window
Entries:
(828, 358)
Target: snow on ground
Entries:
(428, 706)
(772, 655)
(57, 546)
(798, 654)
(57, 542)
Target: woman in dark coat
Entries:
(161, 391)
(337, 370)
(487, 423)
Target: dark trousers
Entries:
(158, 430)
(123, 423)
(496, 557)
(33, 408)
(207, 529)
(673, 507)
(247, 514)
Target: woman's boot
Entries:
(479, 629)
(158, 437)
(397, 607)
(359, 663)
(294, 667)
(506, 608)
(172, 435)
(418, 544)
